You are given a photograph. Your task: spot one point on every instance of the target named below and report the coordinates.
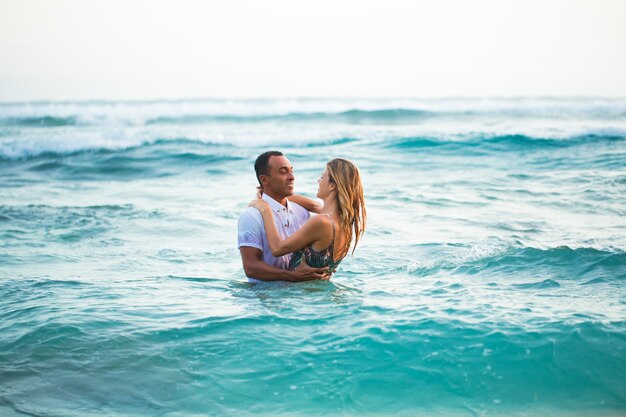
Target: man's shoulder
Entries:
(250, 230)
(250, 216)
(299, 210)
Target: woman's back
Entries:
(317, 258)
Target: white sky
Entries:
(148, 49)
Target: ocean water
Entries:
(490, 280)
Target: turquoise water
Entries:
(490, 281)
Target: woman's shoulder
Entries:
(322, 226)
(322, 220)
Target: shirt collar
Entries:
(275, 205)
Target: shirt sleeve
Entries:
(250, 230)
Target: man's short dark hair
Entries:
(262, 164)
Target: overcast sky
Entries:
(136, 49)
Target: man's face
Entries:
(280, 179)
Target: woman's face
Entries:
(324, 183)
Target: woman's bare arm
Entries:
(312, 231)
(314, 206)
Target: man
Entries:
(275, 175)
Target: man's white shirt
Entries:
(251, 230)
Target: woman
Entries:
(324, 240)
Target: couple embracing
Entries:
(278, 238)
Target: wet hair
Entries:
(352, 215)
(262, 164)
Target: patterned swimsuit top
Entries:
(314, 258)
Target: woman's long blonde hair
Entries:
(352, 215)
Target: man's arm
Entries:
(254, 267)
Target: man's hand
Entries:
(306, 273)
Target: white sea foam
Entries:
(470, 253)
(17, 143)
(74, 127)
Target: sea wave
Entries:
(510, 142)
(67, 144)
(51, 147)
(39, 121)
(50, 114)
(495, 259)
(349, 116)
(386, 359)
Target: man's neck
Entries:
(279, 199)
